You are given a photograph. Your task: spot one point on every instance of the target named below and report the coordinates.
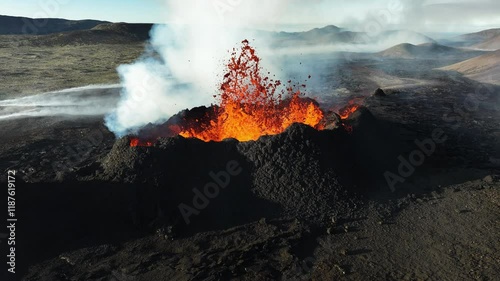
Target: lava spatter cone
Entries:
(302, 172)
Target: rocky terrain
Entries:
(339, 221)
(406, 188)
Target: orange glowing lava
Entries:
(347, 111)
(134, 142)
(251, 106)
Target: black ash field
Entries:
(406, 188)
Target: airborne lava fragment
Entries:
(249, 106)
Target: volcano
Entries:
(284, 144)
(301, 172)
(249, 106)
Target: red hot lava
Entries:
(348, 110)
(251, 106)
(134, 142)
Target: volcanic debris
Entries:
(302, 173)
(379, 93)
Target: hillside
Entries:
(485, 68)
(422, 51)
(333, 35)
(21, 25)
(140, 31)
(480, 36)
(319, 34)
(108, 33)
(485, 40)
(60, 32)
(489, 44)
(403, 36)
(325, 35)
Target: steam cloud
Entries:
(93, 100)
(184, 62)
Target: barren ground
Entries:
(28, 69)
(441, 224)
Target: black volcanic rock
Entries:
(331, 120)
(379, 93)
(305, 171)
(300, 173)
(375, 147)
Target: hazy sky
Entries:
(425, 15)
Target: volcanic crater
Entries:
(300, 173)
(267, 181)
(293, 158)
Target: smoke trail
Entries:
(183, 63)
(93, 100)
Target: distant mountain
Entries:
(486, 40)
(20, 25)
(489, 44)
(485, 68)
(481, 36)
(427, 50)
(56, 32)
(138, 30)
(325, 35)
(107, 33)
(333, 35)
(405, 36)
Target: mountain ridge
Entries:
(10, 25)
(485, 68)
(426, 50)
(488, 39)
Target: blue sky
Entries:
(418, 15)
(150, 11)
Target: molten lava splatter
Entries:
(134, 142)
(252, 106)
(348, 110)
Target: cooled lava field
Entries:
(378, 166)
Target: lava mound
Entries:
(301, 172)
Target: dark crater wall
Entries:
(299, 173)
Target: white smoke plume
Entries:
(93, 100)
(184, 64)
